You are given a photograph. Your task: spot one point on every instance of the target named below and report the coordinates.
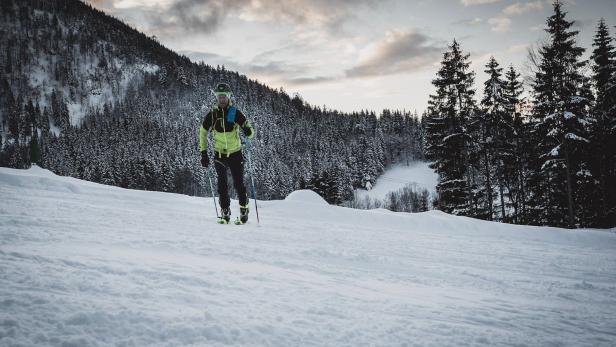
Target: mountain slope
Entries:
(85, 264)
(108, 104)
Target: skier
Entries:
(225, 120)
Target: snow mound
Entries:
(38, 178)
(307, 196)
(35, 170)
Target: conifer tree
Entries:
(559, 124)
(514, 166)
(603, 138)
(447, 137)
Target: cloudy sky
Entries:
(353, 54)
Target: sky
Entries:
(354, 55)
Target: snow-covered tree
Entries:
(560, 125)
(447, 136)
(603, 138)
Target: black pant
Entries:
(235, 162)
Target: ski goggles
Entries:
(219, 94)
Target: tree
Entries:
(603, 138)
(447, 137)
(488, 134)
(560, 120)
(35, 151)
(515, 158)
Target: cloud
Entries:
(280, 71)
(521, 8)
(583, 23)
(523, 47)
(271, 67)
(175, 17)
(212, 59)
(478, 2)
(469, 22)
(326, 14)
(402, 51)
(399, 52)
(191, 16)
(302, 81)
(500, 24)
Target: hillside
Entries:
(85, 264)
(87, 96)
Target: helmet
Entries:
(223, 89)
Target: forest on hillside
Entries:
(85, 95)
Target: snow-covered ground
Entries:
(399, 175)
(83, 264)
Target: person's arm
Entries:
(205, 127)
(247, 128)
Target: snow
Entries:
(75, 112)
(149, 68)
(54, 129)
(83, 264)
(306, 197)
(583, 173)
(417, 173)
(572, 136)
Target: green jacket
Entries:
(226, 134)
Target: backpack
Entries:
(231, 114)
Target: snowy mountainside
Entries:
(68, 59)
(66, 62)
(85, 264)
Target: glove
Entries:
(205, 160)
(247, 142)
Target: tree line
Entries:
(552, 162)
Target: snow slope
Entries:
(397, 176)
(83, 264)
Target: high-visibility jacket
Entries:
(226, 128)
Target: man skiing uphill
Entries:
(225, 121)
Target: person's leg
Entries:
(236, 164)
(223, 193)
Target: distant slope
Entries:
(85, 264)
(416, 174)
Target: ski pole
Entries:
(209, 176)
(252, 179)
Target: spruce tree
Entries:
(603, 138)
(447, 137)
(489, 132)
(35, 151)
(515, 148)
(559, 125)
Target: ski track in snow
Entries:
(83, 264)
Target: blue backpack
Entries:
(231, 114)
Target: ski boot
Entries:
(243, 218)
(226, 216)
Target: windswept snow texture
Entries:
(83, 264)
(417, 173)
